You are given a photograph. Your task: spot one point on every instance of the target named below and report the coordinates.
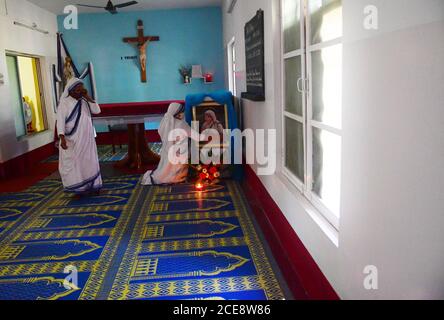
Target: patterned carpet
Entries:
(132, 242)
(106, 153)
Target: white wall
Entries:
(22, 40)
(393, 148)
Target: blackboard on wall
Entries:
(255, 58)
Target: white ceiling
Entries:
(56, 6)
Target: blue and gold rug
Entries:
(132, 242)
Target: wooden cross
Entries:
(142, 43)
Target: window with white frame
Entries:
(312, 100)
(231, 51)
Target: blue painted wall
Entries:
(187, 36)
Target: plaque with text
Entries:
(255, 58)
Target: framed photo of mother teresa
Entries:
(211, 115)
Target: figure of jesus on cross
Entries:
(142, 56)
(142, 43)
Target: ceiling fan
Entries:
(110, 7)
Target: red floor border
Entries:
(303, 276)
(26, 163)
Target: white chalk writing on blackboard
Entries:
(254, 46)
(255, 59)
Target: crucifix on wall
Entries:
(142, 42)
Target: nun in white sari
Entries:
(78, 160)
(169, 172)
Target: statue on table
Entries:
(27, 112)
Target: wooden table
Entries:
(134, 115)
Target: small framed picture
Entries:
(211, 115)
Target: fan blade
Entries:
(88, 6)
(126, 4)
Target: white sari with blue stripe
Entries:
(168, 172)
(79, 164)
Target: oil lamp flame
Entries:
(199, 186)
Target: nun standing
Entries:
(78, 159)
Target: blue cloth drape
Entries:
(224, 98)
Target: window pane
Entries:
(292, 25)
(327, 168)
(327, 86)
(16, 99)
(30, 88)
(293, 98)
(325, 20)
(294, 138)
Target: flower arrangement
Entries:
(185, 72)
(207, 175)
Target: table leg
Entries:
(139, 153)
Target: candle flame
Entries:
(199, 186)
